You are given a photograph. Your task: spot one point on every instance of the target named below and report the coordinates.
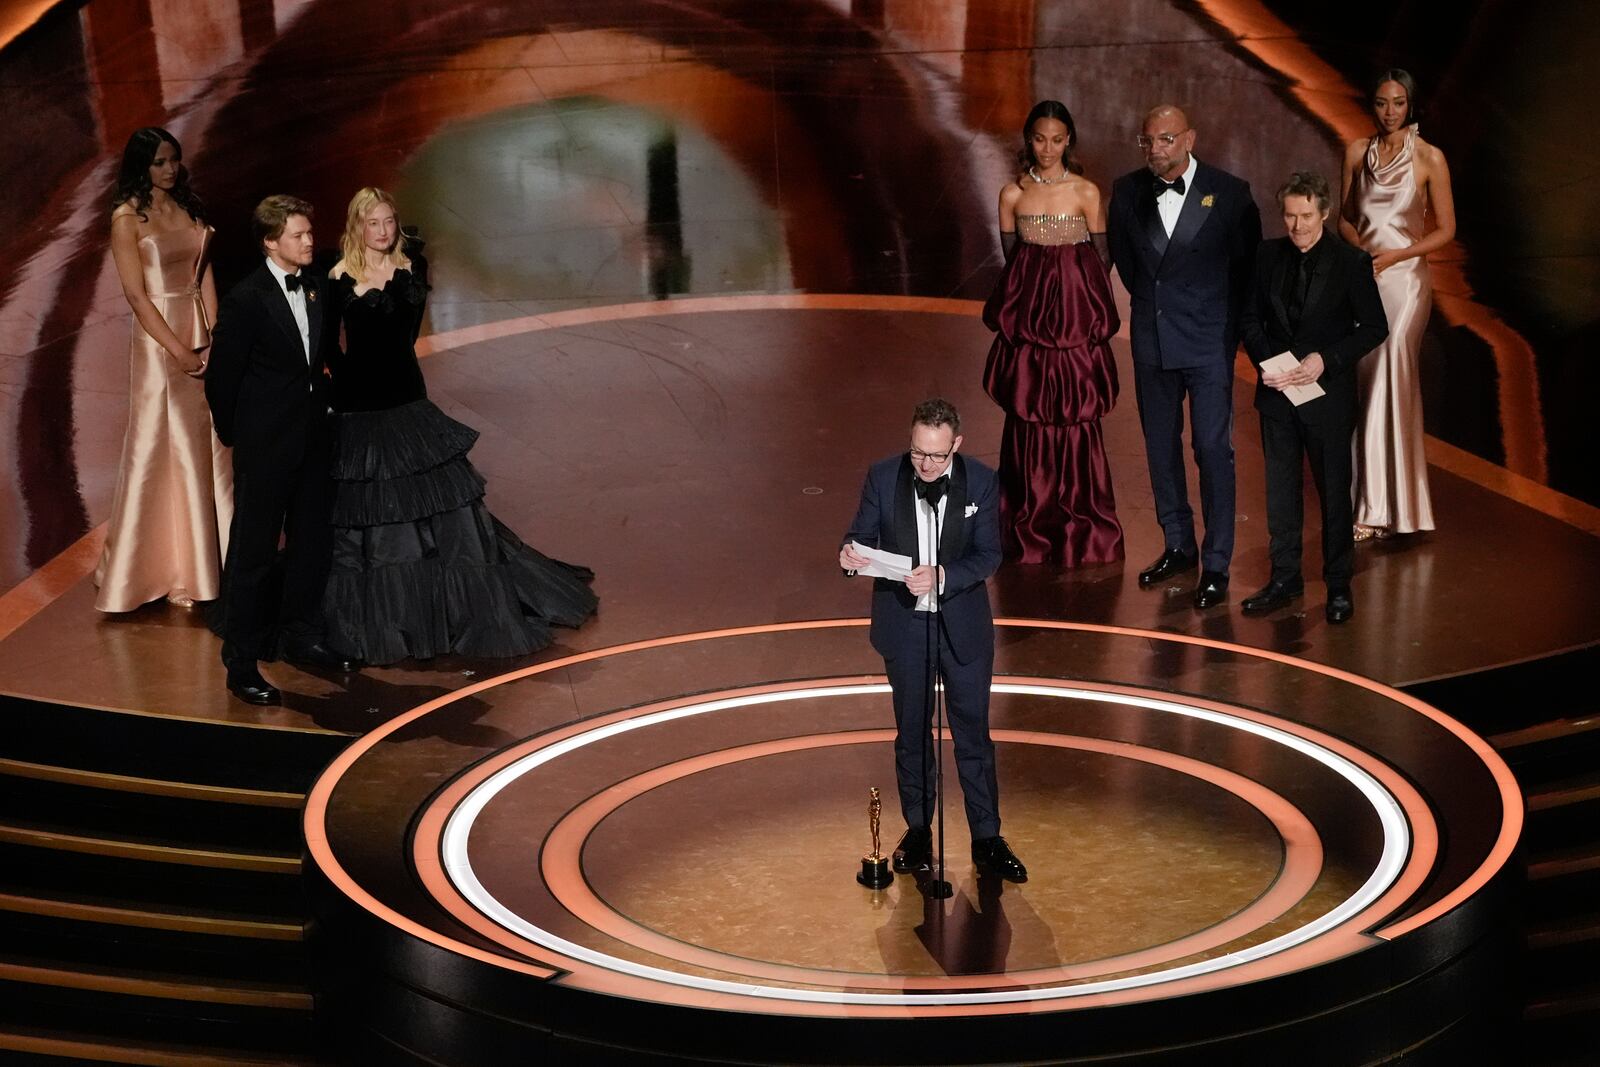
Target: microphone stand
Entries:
(936, 887)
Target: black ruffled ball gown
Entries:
(420, 566)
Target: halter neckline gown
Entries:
(1391, 483)
(1051, 370)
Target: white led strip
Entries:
(458, 867)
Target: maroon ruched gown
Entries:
(1051, 369)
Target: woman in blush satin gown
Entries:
(420, 566)
(168, 530)
(1050, 367)
(1392, 181)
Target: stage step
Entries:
(45, 1047)
(196, 944)
(146, 1004)
(165, 748)
(1563, 1029)
(1563, 812)
(1564, 951)
(1551, 749)
(150, 887)
(190, 814)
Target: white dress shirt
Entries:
(297, 303)
(925, 546)
(1170, 203)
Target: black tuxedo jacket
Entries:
(1342, 319)
(1187, 289)
(268, 401)
(969, 551)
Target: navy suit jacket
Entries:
(1343, 319)
(969, 551)
(1187, 289)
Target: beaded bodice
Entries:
(1053, 229)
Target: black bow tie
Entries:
(291, 282)
(932, 491)
(1175, 186)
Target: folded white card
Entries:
(1283, 363)
(890, 565)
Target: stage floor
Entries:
(705, 458)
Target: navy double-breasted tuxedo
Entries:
(1187, 290)
(1342, 319)
(269, 400)
(960, 633)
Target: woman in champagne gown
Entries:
(420, 566)
(1391, 181)
(1050, 367)
(168, 530)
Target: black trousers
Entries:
(1287, 445)
(966, 693)
(268, 501)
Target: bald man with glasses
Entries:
(1183, 237)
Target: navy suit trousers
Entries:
(966, 692)
(1210, 391)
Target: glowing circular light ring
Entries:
(1391, 816)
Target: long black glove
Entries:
(1008, 243)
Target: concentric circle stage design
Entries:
(1293, 861)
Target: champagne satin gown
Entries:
(1391, 469)
(1051, 370)
(168, 530)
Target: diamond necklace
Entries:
(1065, 174)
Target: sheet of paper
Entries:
(1284, 362)
(896, 568)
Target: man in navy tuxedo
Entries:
(942, 510)
(1183, 236)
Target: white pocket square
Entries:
(972, 509)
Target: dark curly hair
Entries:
(937, 411)
(1049, 109)
(133, 179)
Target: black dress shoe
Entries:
(250, 687)
(1211, 590)
(319, 656)
(1271, 597)
(992, 855)
(1171, 562)
(915, 850)
(1340, 605)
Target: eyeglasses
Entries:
(919, 456)
(1165, 140)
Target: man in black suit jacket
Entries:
(1314, 297)
(269, 401)
(905, 499)
(1182, 236)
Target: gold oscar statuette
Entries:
(875, 873)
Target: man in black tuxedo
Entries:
(904, 501)
(1314, 297)
(269, 401)
(1182, 236)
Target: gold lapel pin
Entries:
(1207, 200)
(311, 294)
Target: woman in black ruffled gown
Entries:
(420, 566)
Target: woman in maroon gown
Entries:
(1050, 366)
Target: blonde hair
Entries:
(353, 245)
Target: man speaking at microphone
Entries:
(941, 510)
